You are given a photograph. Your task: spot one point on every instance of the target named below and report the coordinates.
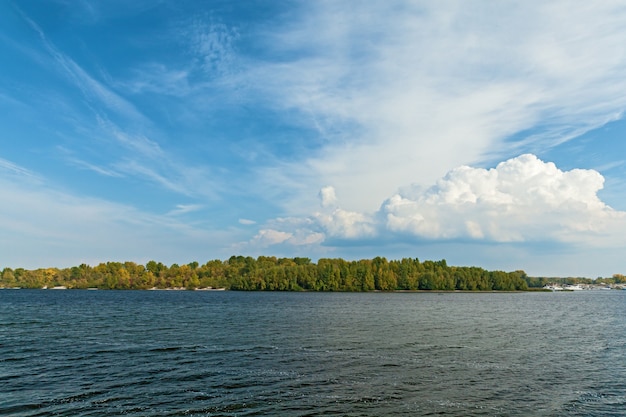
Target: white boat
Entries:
(575, 287)
(553, 287)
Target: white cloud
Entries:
(68, 155)
(327, 197)
(122, 125)
(522, 199)
(137, 143)
(401, 90)
(136, 168)
(184, 209)
(144, 157)
(307, 238)
(212, 46)
(272, 237)
(13, 169)
(42, 226)
(93, 90)
(289, 232)
(246, 222)
(346, 224)
(268, 237)
(158, 78)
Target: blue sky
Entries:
(487, 134)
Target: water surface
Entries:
(186, 353)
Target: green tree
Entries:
(8, 278)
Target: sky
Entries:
(485, 133)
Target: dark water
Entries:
(179, 353)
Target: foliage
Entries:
(268, 273)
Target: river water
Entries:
(193, 353)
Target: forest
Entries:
(268, 273)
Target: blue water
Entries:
(186, 353)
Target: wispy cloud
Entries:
(208, 61)
(158, 78)
(212, 46)
(184, 209)
(405, 92)
(137, 143)
(91, 88)
(100, 170)
(70, 158)
(134, 168)
(16, 170)
(131, 149)
(64, 229)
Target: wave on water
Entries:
(240, 354)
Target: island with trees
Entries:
(269, 273)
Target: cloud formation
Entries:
(327, 196)
(64, 229)
(299, 234)
(522, 199)
(411, 90)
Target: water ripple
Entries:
(245, 354)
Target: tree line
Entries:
(268, 273)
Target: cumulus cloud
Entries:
(523, 199)
(327, 196)
(344, 224)
(290, 232)
(270, 237)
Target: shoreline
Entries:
(300, 291)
